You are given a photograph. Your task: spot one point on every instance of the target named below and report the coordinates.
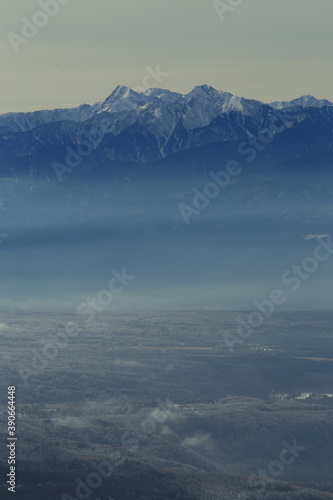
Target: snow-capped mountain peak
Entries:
(122, 98)
(207, 92)
(121, 92)
(162, 94)
(305, 101)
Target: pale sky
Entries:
(264, 49)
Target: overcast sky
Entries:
(264, 49)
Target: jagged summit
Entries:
(121, 92)
(305, 101)
(121, 99)
(207, 92)
(162, 94)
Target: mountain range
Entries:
(141, 128)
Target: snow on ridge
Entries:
(305, 101)
(162, 94)
(197, 109)
(21, 121)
